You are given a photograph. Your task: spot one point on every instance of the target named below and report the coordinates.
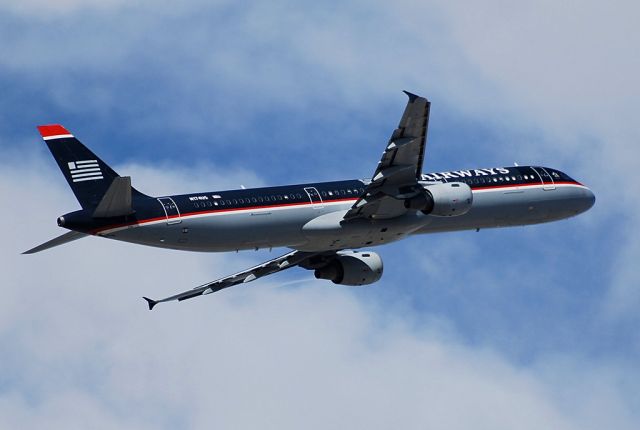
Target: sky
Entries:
(525, 327)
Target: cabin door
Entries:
(547, 180)
(314, 197)
(171, 210)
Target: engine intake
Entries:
(352, 268)
(444, 199)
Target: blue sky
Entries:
(537, 321)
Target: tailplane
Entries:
(60, 240)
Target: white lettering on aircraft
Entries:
(464, 173)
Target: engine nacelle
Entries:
(445, 199)
(352, 268)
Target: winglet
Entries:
(412, 96)
(53, 131)
(150, 302)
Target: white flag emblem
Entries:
(85, 170)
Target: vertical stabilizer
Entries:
(88, 176)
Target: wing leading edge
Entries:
(398, 172)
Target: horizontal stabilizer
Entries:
(117, 199)
(60, 240)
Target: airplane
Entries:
(325, 225)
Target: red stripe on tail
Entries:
(52, 130)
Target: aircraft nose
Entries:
(588, 199)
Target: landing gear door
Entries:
(171, 210)
(314, 197)
(547, 180)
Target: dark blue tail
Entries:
(88, 176)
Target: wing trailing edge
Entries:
(400, 167)
(286, 261)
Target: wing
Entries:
(398, 172)
(292, 259)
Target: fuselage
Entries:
(309, 216)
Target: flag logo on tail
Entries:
(85, 170)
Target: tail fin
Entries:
(88, 176)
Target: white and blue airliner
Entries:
(326, 226)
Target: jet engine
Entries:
(352, 268)
(444, 199)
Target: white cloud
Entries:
(177, 180)
(313, 354)
(569, 68)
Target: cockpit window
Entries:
(560, 176)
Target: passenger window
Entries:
(235, 202)
(507, 179)
(343, 193)
(254, 200)
(299, 195)
(519, 177)
(495, 180)
(260, 199)
(209, 204)
(323, 193)
(330, 193)
(196, 205)
(215, 203)
(280, 197)
(513, 178)
(228, 202)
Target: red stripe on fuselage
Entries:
(549, 184)
(218, 210)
